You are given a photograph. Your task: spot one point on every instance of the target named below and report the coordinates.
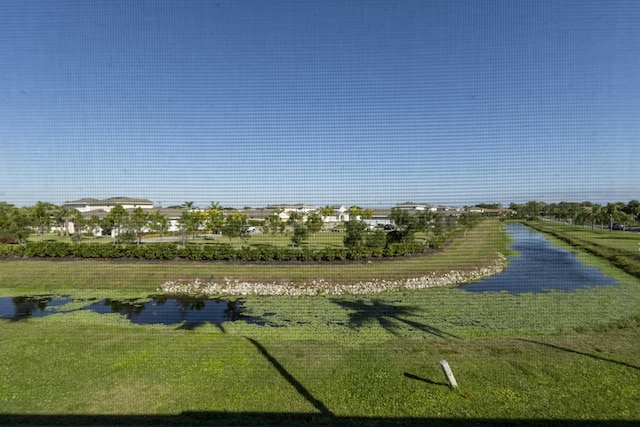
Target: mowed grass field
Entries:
(553, 358)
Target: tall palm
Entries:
(62, 216)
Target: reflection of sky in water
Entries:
(540, 266)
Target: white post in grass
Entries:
(448, 373)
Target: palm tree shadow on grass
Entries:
(392, 318)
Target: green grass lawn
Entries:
(626, 241)
(350, 359)
(88, 365)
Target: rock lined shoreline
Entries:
(234, 287)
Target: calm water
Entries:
(17, 308)
(154, 310)
(540, 267)
(172, 310)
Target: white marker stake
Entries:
(448, 373)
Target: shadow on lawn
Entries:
(290, 379)
(274, 418)
(390, 317)
(424, 380)
(568, 350)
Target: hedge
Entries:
(213, 252)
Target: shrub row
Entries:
(216, 252)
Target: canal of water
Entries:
(540, 267)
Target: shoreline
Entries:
(234, 287)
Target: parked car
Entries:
(617, 226)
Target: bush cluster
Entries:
(195, 252)
(220, 251)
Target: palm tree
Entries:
(79, 224)
(40, 215)
(62, 216)
(614, 213)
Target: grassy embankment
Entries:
(555, 356)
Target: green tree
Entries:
(355, 233)
(613, 212)
(190, 222)
(633, 209)
(79, 225)
(532, 210)
(94, 224)
(235, 225)
(468, 220)
(406, 226)
(15, 223)
(62, 216)
(314, 223)
(517, 208)
(300, 234)
(583, 217)
(40, 215)
(158, 222)
(354, 212)
(116, 220)
(376, 240)
(214, 218)
(300, 231)
(138, 221)
(295, 218)
(274, 224)
(326, 211)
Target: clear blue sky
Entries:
(357, 102)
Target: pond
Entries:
(152, 310)
(540, 267)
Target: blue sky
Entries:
(371, 102)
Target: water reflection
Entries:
(540, 267)
(165, 310)
(152, 310)
(23, 307)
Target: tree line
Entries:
(584, 213)
(128, 226)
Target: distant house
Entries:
(88, 204)
(302, 208)
(173, 215)
(94, 208)
(380, 217)
(410, 206)
(339, 215)
(259, 214)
